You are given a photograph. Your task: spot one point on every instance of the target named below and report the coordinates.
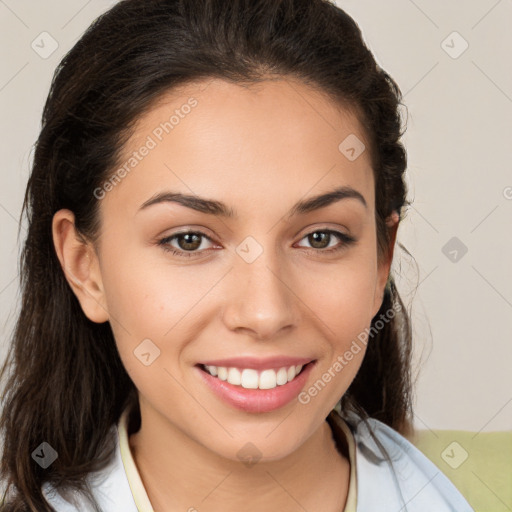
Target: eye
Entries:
(188, 243)
(321, 238)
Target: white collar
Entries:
(139, 492)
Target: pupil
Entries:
(188, 243)
(318, 235)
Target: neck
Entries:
(180, 474)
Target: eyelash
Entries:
(346, 239)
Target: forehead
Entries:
(277, 137)
(285, 105)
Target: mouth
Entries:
(250, 378)
(255, 390)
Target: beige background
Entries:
(460, 177)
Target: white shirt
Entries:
(412, 484)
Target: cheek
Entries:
(145, 308)
(138, 301)
(149, 299)
(342, 294)
(143, 294)
(345, 309)
(342, 298)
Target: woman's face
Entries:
(261, 278)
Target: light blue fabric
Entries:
(411, 483)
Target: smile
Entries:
(256, 386)
(250, 378)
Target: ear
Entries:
(80, 265)
(392, 222)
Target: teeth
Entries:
(282, 376)
(234, 376)
(268, 379)
(249, 378)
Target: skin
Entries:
(259, 149)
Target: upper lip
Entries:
(258, 363)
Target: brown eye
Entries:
(187, 243)
(191, 241)
(320, 240)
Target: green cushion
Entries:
(478, 464)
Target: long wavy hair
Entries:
(65, 382)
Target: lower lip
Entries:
(257, 400)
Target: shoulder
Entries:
(392, 474)
(109, 487)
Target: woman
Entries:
(209, 321)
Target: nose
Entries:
(260, 298)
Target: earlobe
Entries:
(79, 263)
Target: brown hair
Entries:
(67, 385)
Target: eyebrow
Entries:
(219, 209)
